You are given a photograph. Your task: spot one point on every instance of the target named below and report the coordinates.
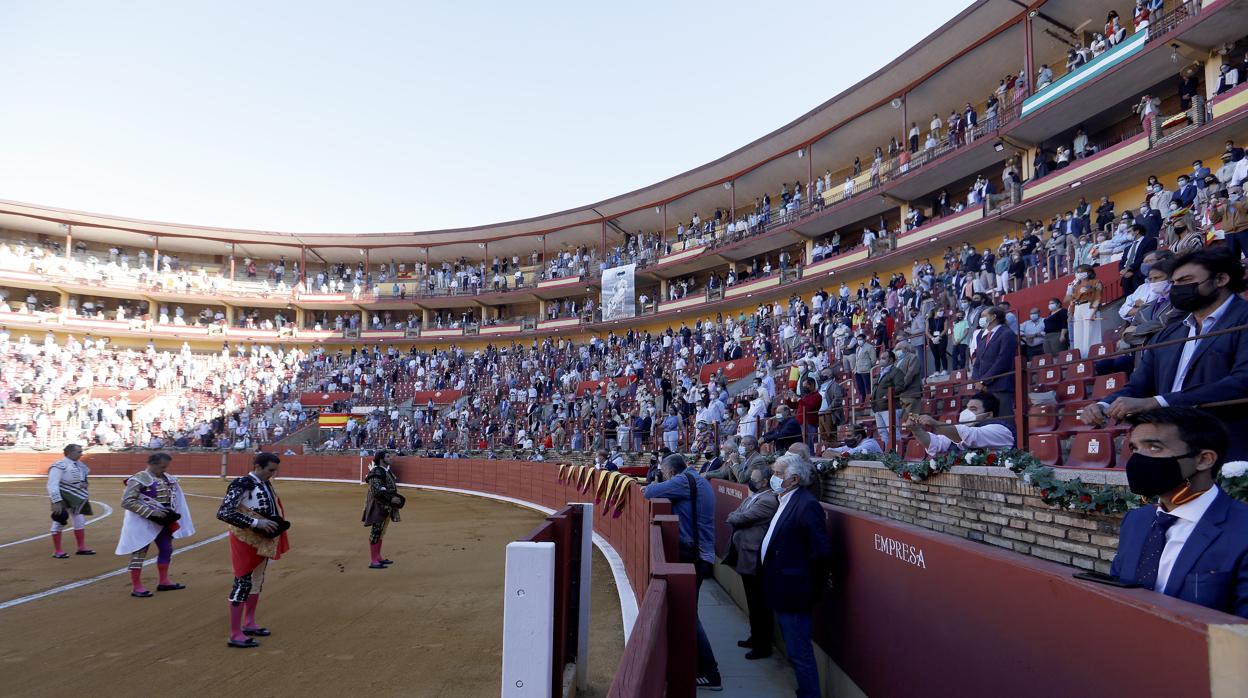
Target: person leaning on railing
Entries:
(1179, 367)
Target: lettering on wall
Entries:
(730, 491)
(902, 551)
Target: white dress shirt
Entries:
(1189, 515)
(771, 527)
(986, 436)
(1189, 348)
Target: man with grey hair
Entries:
(749, 524)
(796, 553)
(693, 503)
(748, 459)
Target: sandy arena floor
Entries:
(431, 625)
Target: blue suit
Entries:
(1212, 568)
(795, 571)
(995, 358)
(1185, 195)
(1218, 371)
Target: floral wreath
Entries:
(1234, 479)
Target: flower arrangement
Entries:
(1234, 479)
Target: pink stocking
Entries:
(249, 619)
(80, 535)
(56, 543)
(374, 549)
(136, 580)
(236, 622)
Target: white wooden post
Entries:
(528, 620)
(582, 620)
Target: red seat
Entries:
(967, 389)
(1072, 390)
(1083, 370)
(946, 390)
(1043, 418)
(1043, 360)
(1106, 385)
(1069, 422)
(1069, 356)
(1099, 350)
(1091, 449)
(1046, 447)
(958, 376)
(1048, 377)
(914, 450)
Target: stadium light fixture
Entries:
(1174, 53)
(727, 185)
(1033, 13)
(896, 102)
(998, 146)
(801, 152)
(1076, 183)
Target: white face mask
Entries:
(741, 450)
(741, 410)
(1053, 307)
(1081, 276)
(1159, 287)
(777, 485)
(967, 417)
(983, 323)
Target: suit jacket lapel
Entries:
(1230, 319)
(1206, 531)
(783, 523)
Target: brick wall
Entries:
(990, 505)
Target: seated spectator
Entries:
(1206, 285)
(858, 442)
(787, 432)
(1147, 312)
(977, 427)
(1193, 544)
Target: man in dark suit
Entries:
(1150, 218)
(1129, 265)
(1205, 284)
(1186, 192)
(787, 432)
(749, 524)
(1194, 545)
(993, 367)
(1073, 225)
(796, 554)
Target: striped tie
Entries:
(1150, 556)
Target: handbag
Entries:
(691, 552)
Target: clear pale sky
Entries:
(320, 116)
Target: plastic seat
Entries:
(1043, 360)
(1099, 350)
(1046, 447)
(1084, 369)
(1069, 422)
(1091, 449)
(1108, 384)
(1069, 356)
(958, 376)
(1072, 390)
(913, 450)
(1043, 418)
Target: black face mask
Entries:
(1189, 298)
(1149, 476)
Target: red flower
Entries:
(1085, 498)
(1044, 494)
(992, 459)
(906, 475)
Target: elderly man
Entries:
(738, 469)
(796, 555)
(693, 502)
(68, 490)
(858, 442)
(787, 431)
(749, 524)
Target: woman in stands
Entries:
(1083, 299)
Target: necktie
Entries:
(1150, 555)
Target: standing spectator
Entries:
(889, 378)
(693, 502)
(796, 554)
(1133, 258)
(864, 361)
(1056, 338)
(961, 340)
(940, 340)
(749, 524)
(994, 359)
(671, 429)
(1083, 297)
(1032, 331)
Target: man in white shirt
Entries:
(977, 428)
(67, 488)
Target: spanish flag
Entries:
(333, 420)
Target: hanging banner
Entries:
(619, 293)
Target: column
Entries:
(1028, 54)
(156, 255)
(69, 232)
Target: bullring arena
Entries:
(441, 603)
(937, 389)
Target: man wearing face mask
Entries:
(796, 555)
(1055, 328)
(1130, 266)
(787, 430)
(858, 442)
(977, 427)
(1206, 285)
(890, 377)
(1147, 312)
(693, 503)
(749, 524)
(993, 367)
(1033, 334)
(1193, 544)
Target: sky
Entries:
(382, 116)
